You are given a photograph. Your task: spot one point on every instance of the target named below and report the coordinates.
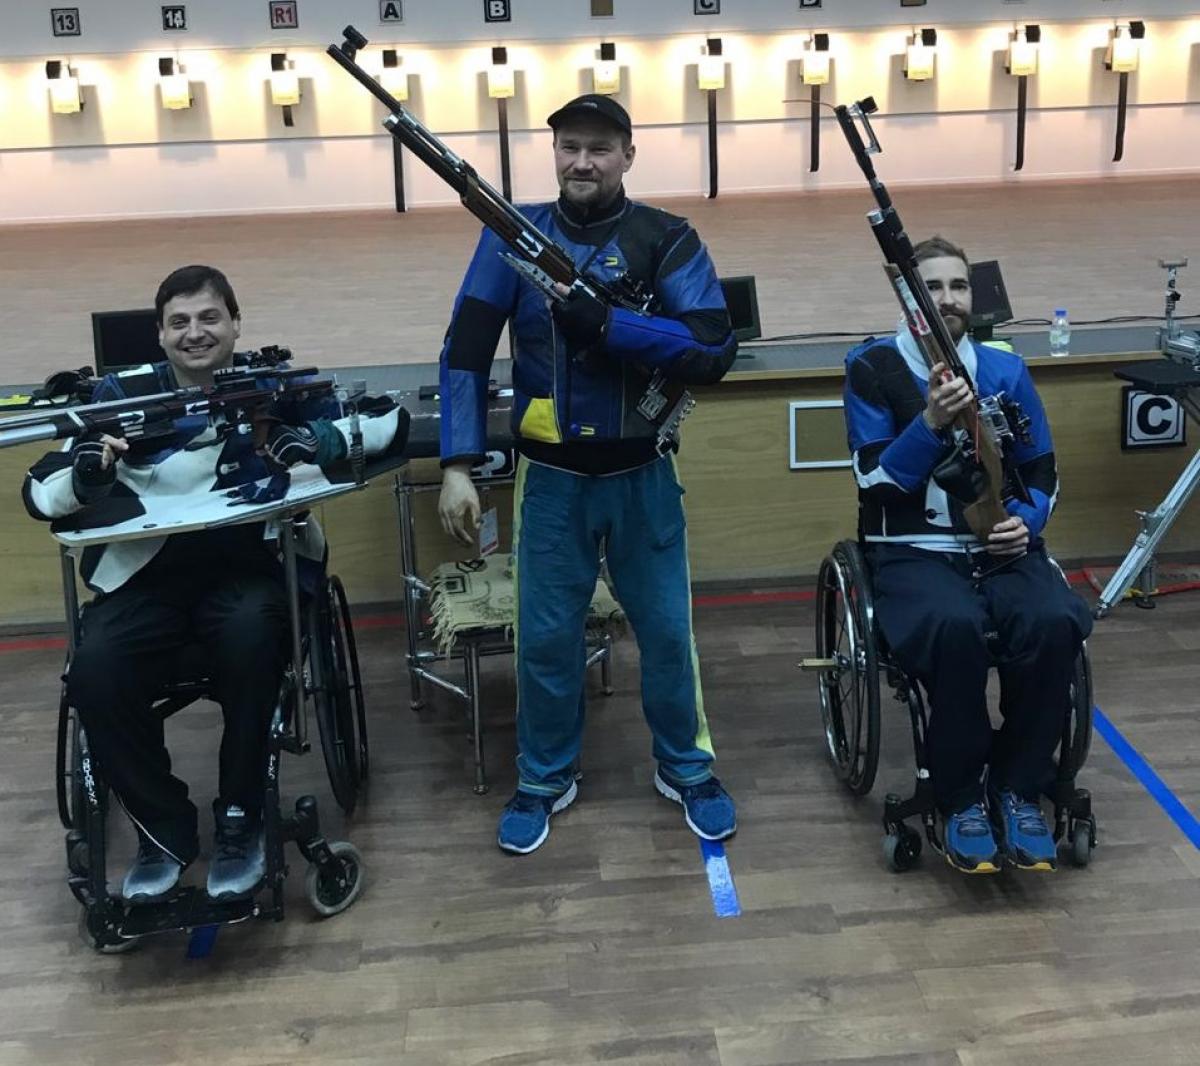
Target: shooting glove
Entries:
(582, 320)
(288, 445)
(90, 479)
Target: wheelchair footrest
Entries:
(812, 666)
(187, 909)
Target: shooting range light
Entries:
(394, 77)
(285, 83)
(710, 73)
(173, 83)
(1022, 59)
(64, 88)
(1122, 54)
(500, 79)
(814, 63)
(606, 75)
(919, 55)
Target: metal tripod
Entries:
(1181, 348)
(1138, 565)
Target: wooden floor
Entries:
(603, 946)
(377, 287)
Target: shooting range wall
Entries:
(125, 156)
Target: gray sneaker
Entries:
(239, 861)
(153, 875)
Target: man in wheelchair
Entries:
(948, 604)
(222, 590)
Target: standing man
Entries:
(590, 477)
(939, 590)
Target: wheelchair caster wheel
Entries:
(902, 849)
(332, 888)
(100, 944)
(1081, 844)
(77, 858)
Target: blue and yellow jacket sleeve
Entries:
(484, 302)
(690, 339)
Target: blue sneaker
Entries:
(970, 846)
(1025, 838)
(707, 808)
(525, 822)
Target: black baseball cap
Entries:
(593, 105)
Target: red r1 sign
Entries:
(284, 15)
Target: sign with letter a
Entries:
(390, 11)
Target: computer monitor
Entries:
(989, 299)
(123, 339)
(741, 298)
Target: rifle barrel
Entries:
(10, 438)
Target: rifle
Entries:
(534, 255)
(238, 393)
(979, 472)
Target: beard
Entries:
(956, 324)
(581, 190)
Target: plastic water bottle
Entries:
(1060, 333)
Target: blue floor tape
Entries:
(720, 879)
(1152, 783)
(202, 940)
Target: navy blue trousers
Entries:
(935, 618)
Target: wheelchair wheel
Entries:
(353, 675)
(333, 697)
(68, 787)
(849, 689)
(72, 804)
(333, 887)
(902, 848)
(1081, 710)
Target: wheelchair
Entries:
(852, 654)
(328, 676)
